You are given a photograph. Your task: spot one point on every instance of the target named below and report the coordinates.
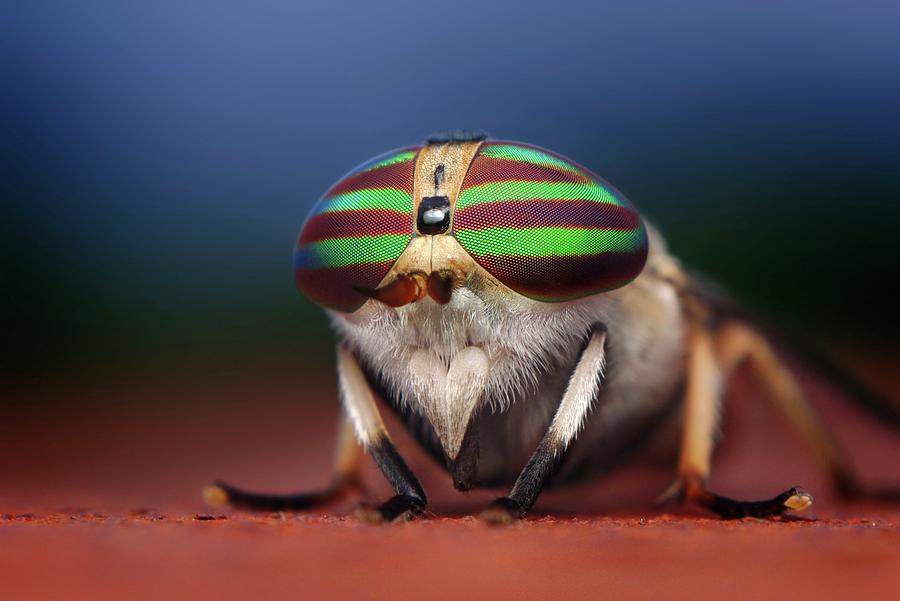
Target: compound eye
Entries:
(545, 226)
(356, 232)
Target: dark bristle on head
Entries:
(457, 135)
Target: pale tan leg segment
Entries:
(702, 401)
(701, 408)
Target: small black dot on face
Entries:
(438, 176)
(434, 215)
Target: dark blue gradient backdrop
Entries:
(158, 159)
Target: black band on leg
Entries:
(409, 499)
(730, 509)
(537, 471)
(539, 468)
(224, 494)
(394, 468)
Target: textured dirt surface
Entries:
(102, 502)
(128, 557)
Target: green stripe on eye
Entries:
(369, 198)
(407, 155)
(549, 241)
(519, 190)
(512, 152)
(340, 252)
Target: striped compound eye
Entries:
(357, 231)
(546, 227)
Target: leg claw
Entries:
(798, 500)
(502, 512)
(215, 496)
(400, 508)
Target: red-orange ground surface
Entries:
(99, 499)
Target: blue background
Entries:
(158, 160)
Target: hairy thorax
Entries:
(489, 349)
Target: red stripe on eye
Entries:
(546, 213)
(333, 286)
(361, 222)
(488, 170)
(565, 278)
(396, 175)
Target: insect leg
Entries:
(359, 402)
(737, 342)
(702, 400)
(363, 423)
(346, 465)
(574, 407)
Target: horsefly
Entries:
(516, 310)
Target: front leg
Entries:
(365, 420)
(574, 407)
(359, 402)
